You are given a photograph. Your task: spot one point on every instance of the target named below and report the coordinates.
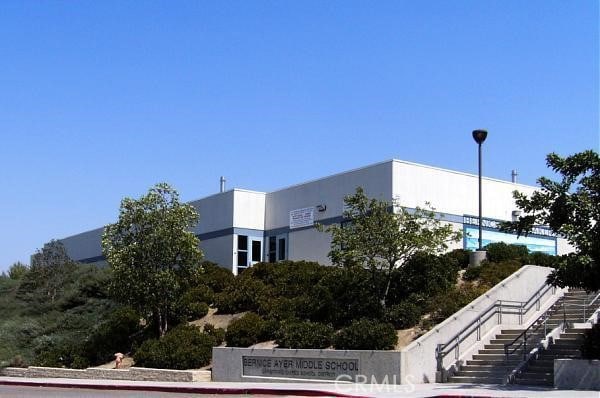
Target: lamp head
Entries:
(479, 136)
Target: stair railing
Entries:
(543, 321)
(498, 308)
(531, 330)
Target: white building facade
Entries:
(239, 228)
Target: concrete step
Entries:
(535, 382)
(562, 344)
(507, 332)
(476, 380)
(482, 373)
(480, 367)
(493, 362)
(536, 375)
(558, 356)
(495, 351)
(497, 357)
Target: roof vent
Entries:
(222, 188)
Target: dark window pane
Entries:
(242, 242)
(256, 250)
(242, 259)
(281, 249)
(272, 249)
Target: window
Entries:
(242, 251)
(272, 249)
(256, 251)
(281, 249)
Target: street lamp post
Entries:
(479, 136)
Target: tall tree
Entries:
(381, 236)
(50, 268)
(571, 208)
(18, 270)
(152, 252)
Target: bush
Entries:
(343, 295)
(245, 331)
(215, 277)
(366, 334)
(591, 344)
(217, 333)
(424, 274)
(453, 300)
(500, 251)
(184, 347)
(113, 335)
(18, 362)
(404, 315)
(189, 310)
(304, 335)
(490, 274)
(461, 256)
(245, 294)
(543, 259)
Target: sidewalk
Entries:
(304, 389)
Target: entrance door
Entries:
(256, 251)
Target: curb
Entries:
(184, 390)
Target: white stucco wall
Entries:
(328, 191)
(249, 209)
(216, 212)
(309, 245)
(453, 192)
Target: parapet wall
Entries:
(133, 374)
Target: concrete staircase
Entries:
(491, 365)
(539, 371)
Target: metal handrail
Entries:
(546, 315)
(499, 307)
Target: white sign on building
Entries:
(302, 217)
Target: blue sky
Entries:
(102, 99)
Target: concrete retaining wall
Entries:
(419, 362)
(281, 365)
(577, 374)
(134, 374)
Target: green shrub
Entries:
(245, 294)
(366, 334)
(453, 300)
(18, 362)
(217, 333)
(184, 347)
(461, 256)
(404, 315)
(493, 273)
(245, 331)
(424, 274)
(305, 334)
(115, 334)
(215, 277)
(543, 259)
(343, 295)
(591, 344)
(500, 251)
(188, 310)
(490, 274)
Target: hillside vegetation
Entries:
(65, 317)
